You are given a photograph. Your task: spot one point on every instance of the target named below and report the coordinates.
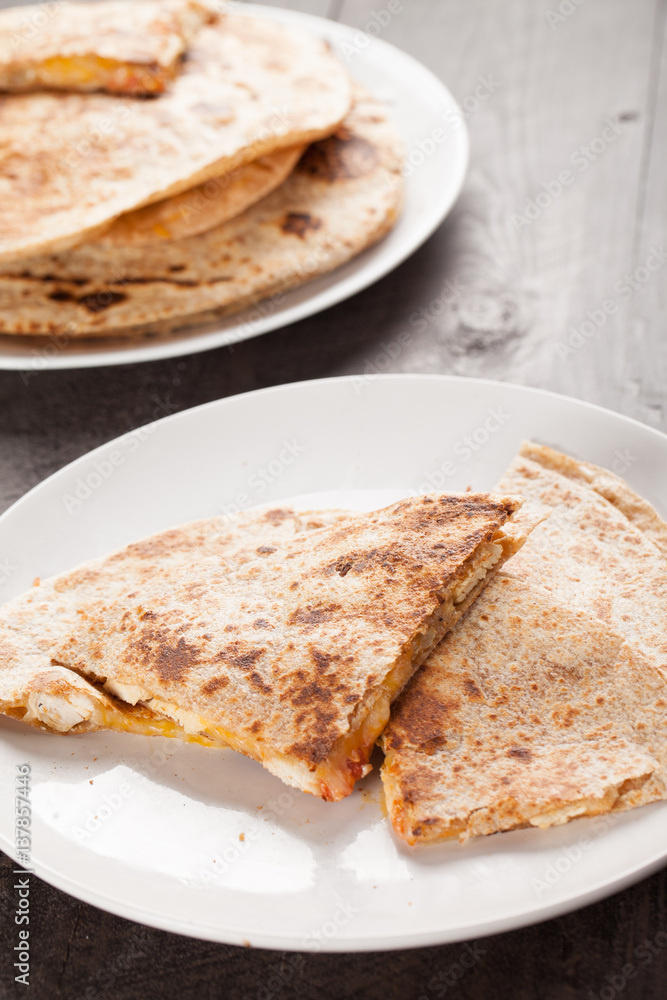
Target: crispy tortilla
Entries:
(290, 651)
(527, 714)
(600, 549)
(341, 197)
(124, 48)
(71, 163)
(204, 207)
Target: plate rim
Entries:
(187, 341)
(285, 386)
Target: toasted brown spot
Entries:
(422, 721)
(237, 657)
(169, 662)
(471, 689)
(323, 660)
(314, 616)
(98, 301)
(342, 156)
(214, 685)
(258, 681)
(299, 223)
(521, 753)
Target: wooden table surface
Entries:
(577, 86)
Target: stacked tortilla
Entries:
(255, 166)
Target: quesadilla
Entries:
(113, 45)
(341, 197)
(204, 207)
(602, 548)
(290, 651)
(72, 163)
(528, 713)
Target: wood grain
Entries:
(514, 298)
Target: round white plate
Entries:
(149, 829)
(420, 106)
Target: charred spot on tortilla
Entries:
(98, 301)
(343, 156)
(299, 223)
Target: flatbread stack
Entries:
(255, 166)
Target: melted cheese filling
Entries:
(89, 73)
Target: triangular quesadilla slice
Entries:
(528, 713)
(290, 651)
(601, 548)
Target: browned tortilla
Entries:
(71, 162)
(340, 198)
(528, 713)
(548, 699)
(290, 650)
(123, 47)
(601, 549)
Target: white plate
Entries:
(167, 849)
(418, 104)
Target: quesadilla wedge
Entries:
(340, 198)
(125, 48)
(72, 163)
(601, 549)
(290, 651)
(528, 713)
(205, 206)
